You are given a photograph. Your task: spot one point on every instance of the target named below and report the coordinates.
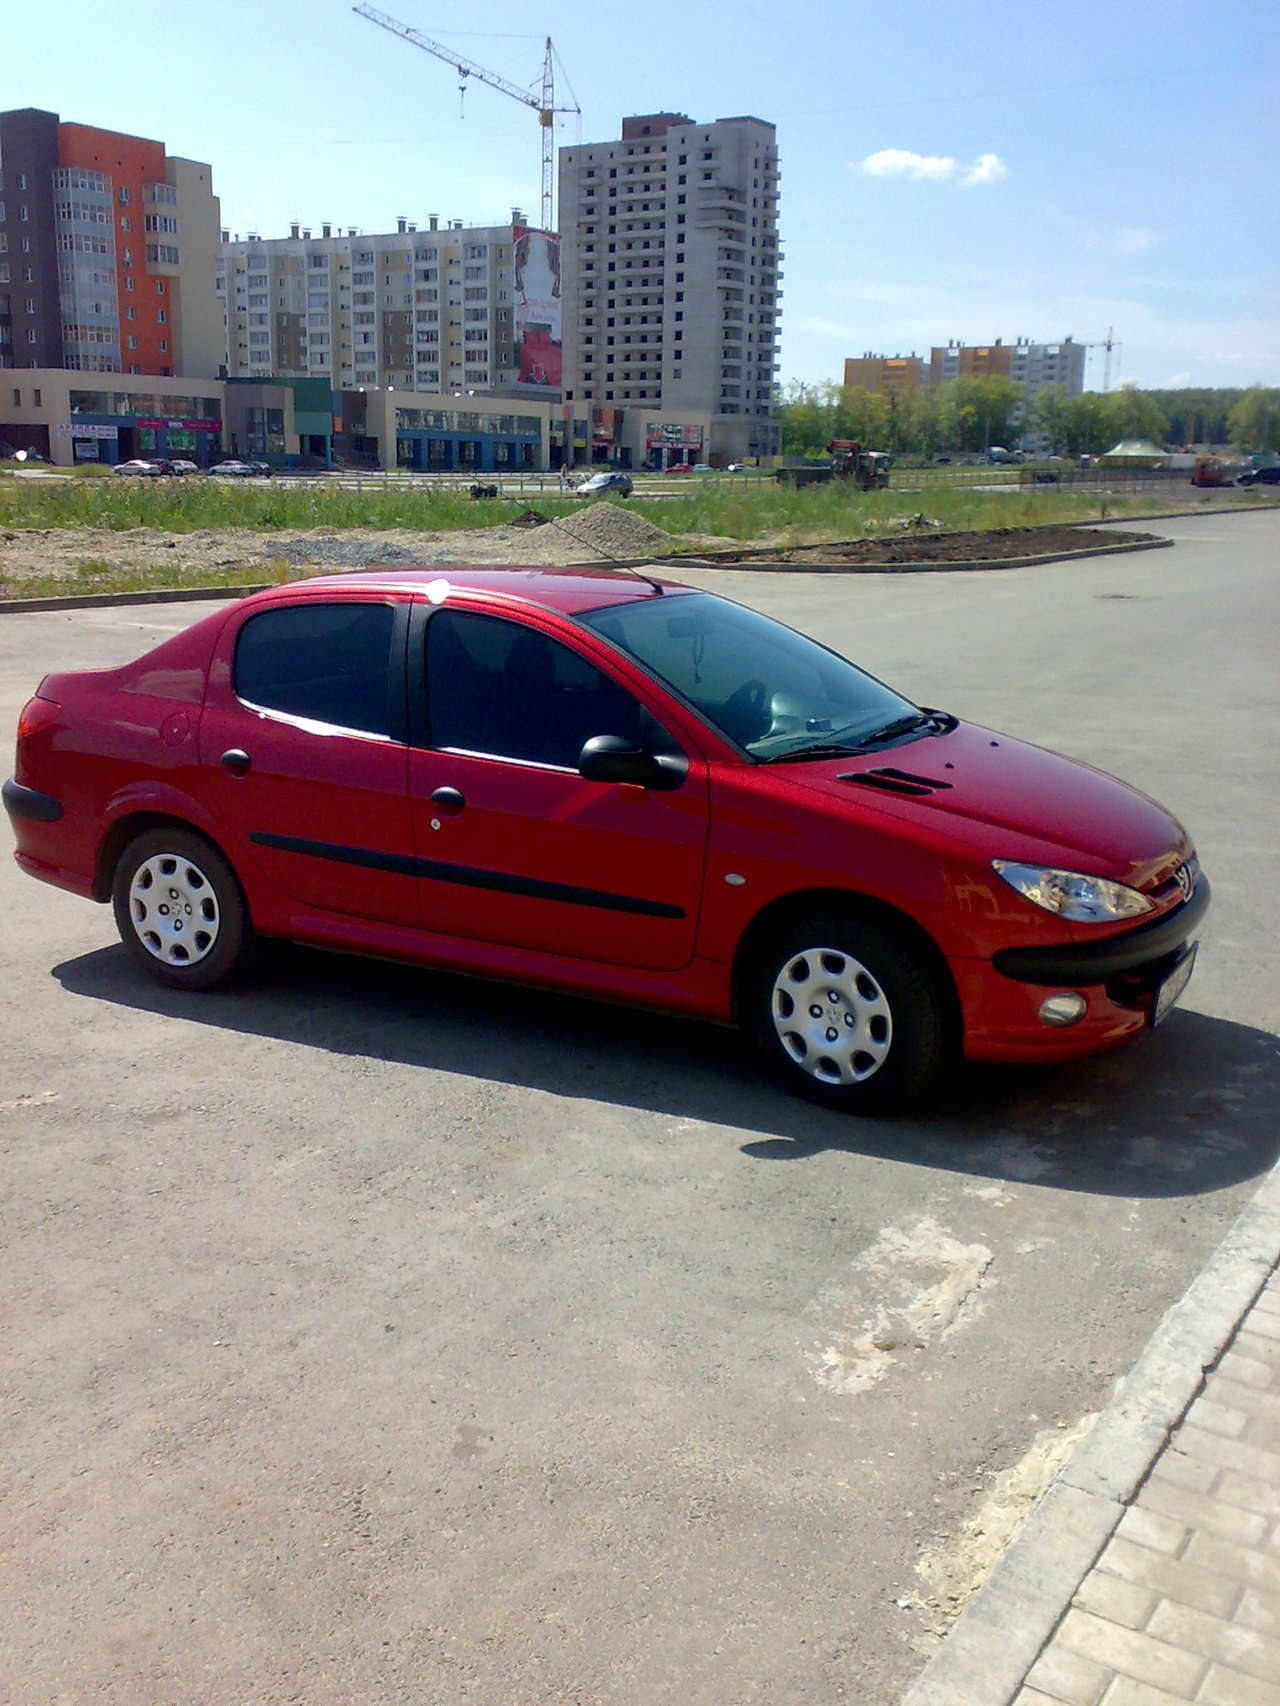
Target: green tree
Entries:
(1089, 430)
(1254, 423)
(1051, 414)
(977, 412)
(1131, 413)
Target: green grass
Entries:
(98, 576)
(190, 506)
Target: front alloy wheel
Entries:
(832, 1017)
(851, 1011)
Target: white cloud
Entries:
(902, 163)
(934, 168)
(986, 169)
(1176, 381)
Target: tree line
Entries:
(972, 414)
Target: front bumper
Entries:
(1114, 956)
(1119, 977)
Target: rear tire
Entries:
(849, 1012)
(179, 909)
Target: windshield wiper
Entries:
(939, 722)
(818, 749)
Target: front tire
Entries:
(849, 1012)
(179, 909)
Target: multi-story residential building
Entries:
(892, 374)
(107, 247)
(1028, 365)
(458, 308)
(671, 291)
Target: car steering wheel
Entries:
(747, 713)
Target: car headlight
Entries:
(1071, 894)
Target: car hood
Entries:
(1006, 798)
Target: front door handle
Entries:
(236, 761)
(448, 801)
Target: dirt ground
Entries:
(919, 542)
(602, 533)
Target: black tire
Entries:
(882, 1043)
(198, 934)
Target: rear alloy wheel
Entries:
(850, 1013)
(179, 909)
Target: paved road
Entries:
(374, 1337)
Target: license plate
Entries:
(1172, 987)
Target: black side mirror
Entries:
(609, 758)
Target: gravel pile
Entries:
(614, 532)
(354, 551)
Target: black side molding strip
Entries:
(1095, 962)
(26, 802)
(468, 876)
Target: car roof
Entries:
(570, 590)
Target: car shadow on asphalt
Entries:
(1189, 1109)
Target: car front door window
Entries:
(507, 691)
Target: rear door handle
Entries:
(448, 801)
(236, 761)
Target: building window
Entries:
(126, 224)
(128, 284)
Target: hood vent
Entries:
(889, 781)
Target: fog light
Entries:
(1063, 1009)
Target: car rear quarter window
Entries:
(329, 663)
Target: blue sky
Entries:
(974, 171)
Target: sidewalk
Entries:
(1149, 1574)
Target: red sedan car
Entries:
(600, 781)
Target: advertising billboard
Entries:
(538, 324)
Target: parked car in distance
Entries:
(606, 482)
(1259, 477)
(232, 468)
(677, 468)
(595, 780)
(703, 468)
(138, 467)
(262, 468)
(179, 465)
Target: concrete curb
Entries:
(711, 560)
(985, 1659)
(102, 600)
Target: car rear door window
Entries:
(507, 691)
(328, 663)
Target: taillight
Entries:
(35, 715)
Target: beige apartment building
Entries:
(892, 374)
(671, 291)
(446, 309)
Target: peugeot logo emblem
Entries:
(1182, 876)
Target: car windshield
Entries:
(775, 693)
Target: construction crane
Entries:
(544, 104)
(1108, 343)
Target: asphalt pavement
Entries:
(372, 1336)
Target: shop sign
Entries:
(154, 423)
(74, 429)
(673, 435)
